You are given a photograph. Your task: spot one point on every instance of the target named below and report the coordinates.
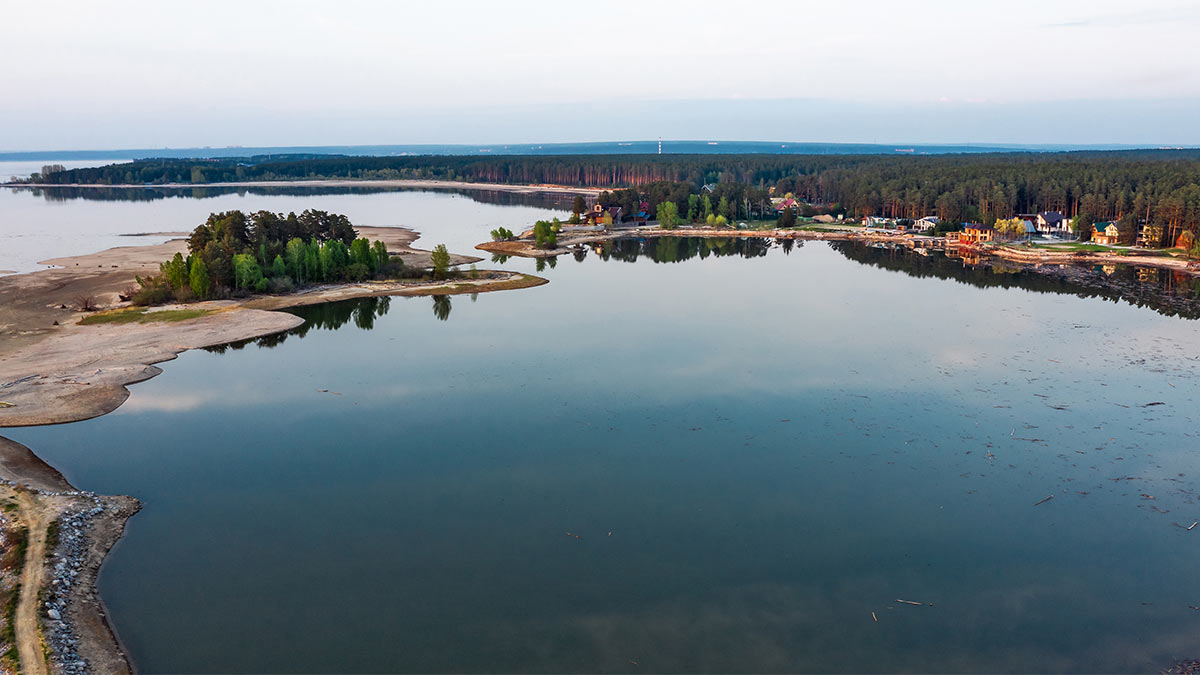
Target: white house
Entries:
(925, 224)
(1048, 222)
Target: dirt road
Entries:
(29, 641)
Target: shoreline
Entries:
(524, 247)
(332, 182)
(54, 371)
(62, 610)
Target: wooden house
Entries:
(1106, 233)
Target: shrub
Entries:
(156, 293)
(357, 271)
(280, 285)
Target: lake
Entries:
(691, 456)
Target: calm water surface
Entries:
(729, 463)
(37, 225)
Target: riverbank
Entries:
(524, 246)
(59, 537)
(397, 183)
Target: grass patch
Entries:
(142, 316)
(1076, 246)
(15, 558)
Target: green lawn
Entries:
(1076, 246)
(142, 316)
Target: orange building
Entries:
(974, 233)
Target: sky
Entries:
(133, 74)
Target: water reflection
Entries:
(441, 307)
(1168, 292)
(550, 200)
(678, 249)
(325, 316)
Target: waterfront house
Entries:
(1106, 233)
(925, 224)
(1049, 222)
(598, 215)
(875, 221)
(1150, 236)
(643, 214)
(976, 233)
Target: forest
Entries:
(1157, 186)
(233, 253)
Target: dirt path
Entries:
(29, 641)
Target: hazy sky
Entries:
(149, 74)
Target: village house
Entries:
(925, 224)
(643, 214)
(598, 215)
(875, 221)
(975, 233)
(1150, 236)
(782, 204)
(1106, 233)
(1048, 222)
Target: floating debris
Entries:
(1044, 500)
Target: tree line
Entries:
(1157, 186)
(233, 253)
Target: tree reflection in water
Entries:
(441, 307)
(325, 316)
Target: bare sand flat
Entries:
(53, 370)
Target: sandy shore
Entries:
(398, 183)
(53, 370)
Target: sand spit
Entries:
(53, 370)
